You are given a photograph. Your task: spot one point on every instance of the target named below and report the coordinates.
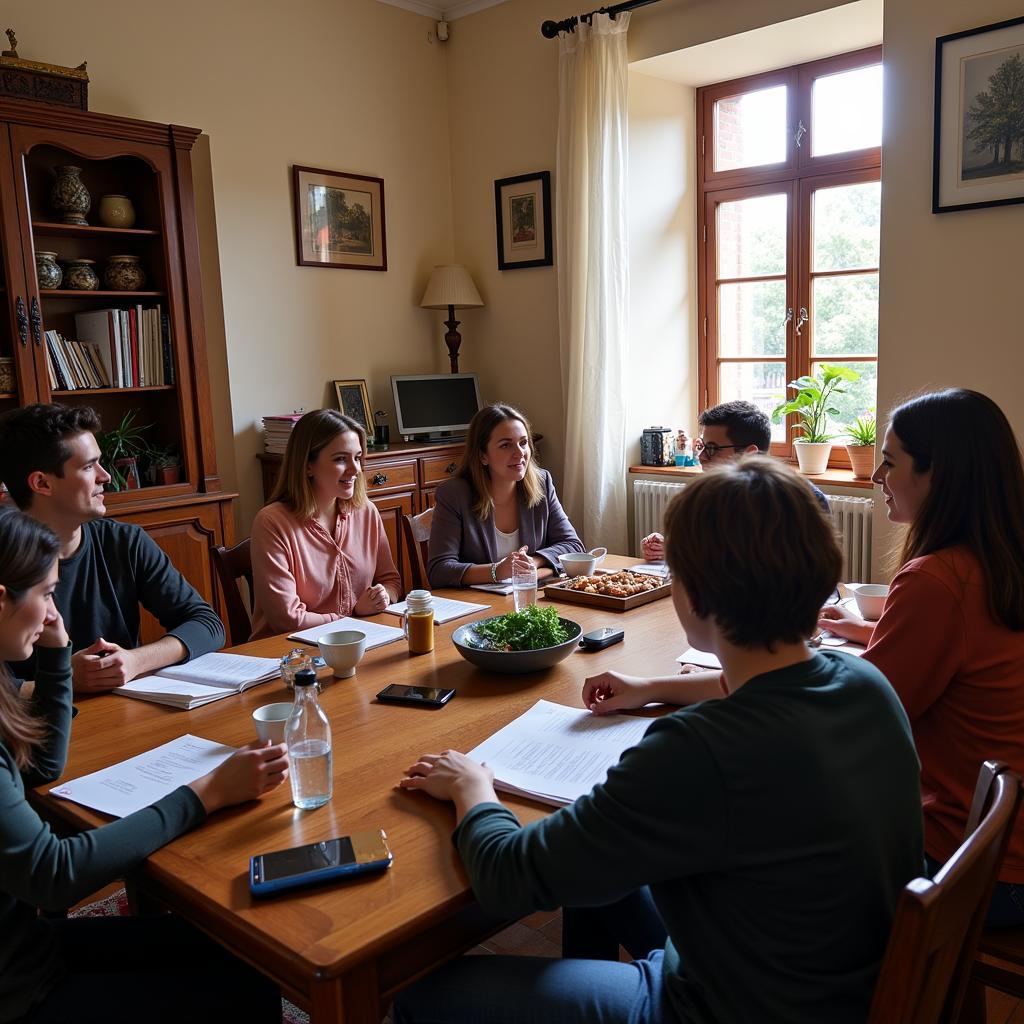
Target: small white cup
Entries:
(870, 598)
(343, 651)
(270, 721)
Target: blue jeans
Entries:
(1007, 907)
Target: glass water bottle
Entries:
(308, 735)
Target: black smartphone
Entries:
(599, 638)
(317, 863)
(418, 696)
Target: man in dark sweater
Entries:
(775, 824)
(49, 462)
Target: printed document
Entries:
(555, 754)
(140, 781)
(445, 609)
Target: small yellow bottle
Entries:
(418, 621)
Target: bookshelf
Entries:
(151, 164)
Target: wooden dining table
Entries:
(341, 951)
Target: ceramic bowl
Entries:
(582, 563)
(343, 650)
(870, 598)
(270, 721)
(471, 647)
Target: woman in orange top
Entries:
(951, 635)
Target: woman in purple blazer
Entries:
(499, 511)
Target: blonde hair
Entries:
(309, 437)
(482, 426)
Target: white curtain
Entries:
(593, 277)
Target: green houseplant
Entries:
(120, 448)
(812, 405)
(862, 434)
(164, 464)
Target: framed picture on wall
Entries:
(354, 402)
(979, 118)
(339, 220)
(522, 210)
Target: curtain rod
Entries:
(550, 29)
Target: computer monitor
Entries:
(435, 406)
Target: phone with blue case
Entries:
(318, 863)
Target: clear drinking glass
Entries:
(524, 586)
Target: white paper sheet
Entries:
(445, 609)
(504, 587)
(142, 780)
(376, 635)
(557, 754)
(704, 659)
(659, 569)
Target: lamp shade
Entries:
(450, 285)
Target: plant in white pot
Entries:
(862, 434)
(812, 406)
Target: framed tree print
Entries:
(522, 210)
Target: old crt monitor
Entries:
(435, 406)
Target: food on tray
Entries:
(615, 584)
(529, 630)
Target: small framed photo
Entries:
(522, 209)
(979, 118)
(354, 402)
(339, 220)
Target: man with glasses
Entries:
(727, 431)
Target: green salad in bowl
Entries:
(526, 641)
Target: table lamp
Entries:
(450, 287)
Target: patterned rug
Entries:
(116, 905)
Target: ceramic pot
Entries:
(862, 459)
(81, 275)
(170, 474)
(123, 274)
(116, 212)
(70, 198)
(812, 456)
(48, 274)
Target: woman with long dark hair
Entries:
(111, 969)
(500, 510)
(951, 635)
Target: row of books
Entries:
(277, 430)
(74, 364)
(134, 344)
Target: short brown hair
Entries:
(308, 438)
(753, 549)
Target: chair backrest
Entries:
(233, 564)
(937, 924)
(417, 533)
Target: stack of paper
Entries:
(203, 680)
(376, 635)
(277, 430)
(556, 754)
(502, 587)
(445, 609)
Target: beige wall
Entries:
(949, 301)
(348, 85)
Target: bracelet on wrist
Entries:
(494, 572)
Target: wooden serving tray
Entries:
(558, 592)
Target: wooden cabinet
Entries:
(156, 368)
(401, 480)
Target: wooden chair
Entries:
(233, 564)
(935, 931)
(417, 532)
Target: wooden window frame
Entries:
(799, 175)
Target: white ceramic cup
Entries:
(270, 721)
(343, 650)
(870, 598)
(582, 563)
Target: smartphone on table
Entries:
(418, 696)
(327, 861)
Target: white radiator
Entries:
(650, 499)
(852, 520)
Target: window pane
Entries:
(750, 130)
(764, 384)
(846, 111)
(752, 236)
(751, 319)
(845, 315)
(844, 226)
(858, 398)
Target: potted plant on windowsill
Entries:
(120, 448)
(812, 406)
(861, 445)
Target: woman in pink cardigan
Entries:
(319, 551)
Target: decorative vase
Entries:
(812, 456)
(123, 274)
(70, 198)
(48, 274)
(116, 212)
(81, 275)
(862, 459)
(129, 468)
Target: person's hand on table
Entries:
(373, 600)
(613, 691)
(101, 667)
(838, 619)
(247, 774)
(452, 776)
(653, 547)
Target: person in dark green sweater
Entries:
(111, 970)
(775, 826)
